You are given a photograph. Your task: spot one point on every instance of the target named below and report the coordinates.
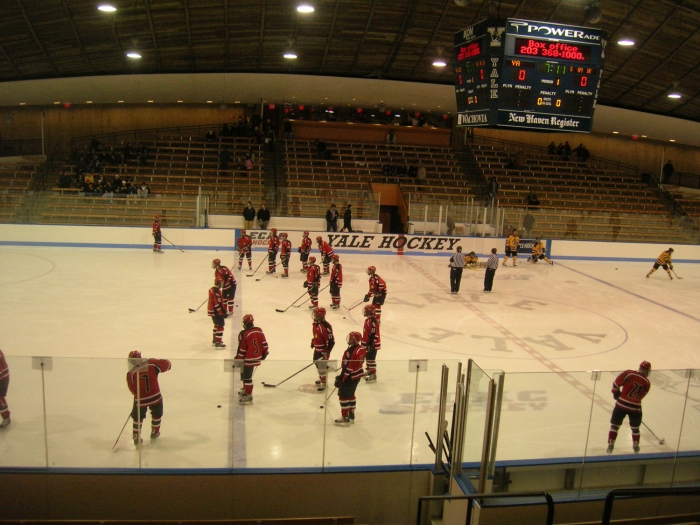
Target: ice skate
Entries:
(371, 378)
(611, 446)
(241, 392)
(648, 275)
(352, 417)
(529, 259)
(343, 422)
(317, 382)
(137, 441)
(551, 262)
(155, 435)
(220, 345)
(321, 388)
(635, 447)
(284, 275)
(246, 399)
(5, 423)
(312, 307)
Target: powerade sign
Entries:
(554, 31)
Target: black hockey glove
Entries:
(367, 298)
(671, 266)
(264, 356)
(306, 284)
(337, 382)
(616, 395)
(299, 249)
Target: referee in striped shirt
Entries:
(491, 267)
(456, 268)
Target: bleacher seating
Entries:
(15, 182)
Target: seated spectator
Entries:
(390, 137)
(421, 173)
(210, 136)
(532, 200)
(143, 190)
(248, 163)
(65, 180)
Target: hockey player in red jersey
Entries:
(377, 290)
(336, 282)
(372, 341)
(157, 237)
(228, 287)
(4, 384)
(218, 312)
(305, 250)
(322, 342)
(349, 378)
(273, 247)
(629, 388)
(142, 380)
(326, 253)
(313, 281)
(245, 246)
(285, 253)
(252, 347)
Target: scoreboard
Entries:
(523, 74)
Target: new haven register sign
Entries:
(524, 74)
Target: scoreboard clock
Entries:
(523, 74)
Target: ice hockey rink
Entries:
(547, 327)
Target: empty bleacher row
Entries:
(15, 182)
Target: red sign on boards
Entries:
(472, 49)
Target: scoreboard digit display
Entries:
(523, 74)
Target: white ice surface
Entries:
(546, 326)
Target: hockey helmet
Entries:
(216, 263)
(135, 354)
(371, 270)
(157, 216)
(283, 235)
(645, 365)
(354, 338)
(243, 231)
(670, 250)
(319, 313)
(472, 254)
(369, 310)
(319, 239)
(306, 233)
(312, 259)
(274, 231)
(248, 320)
(336, 257)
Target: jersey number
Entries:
(634, 391)
(146, 382)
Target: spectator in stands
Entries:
(492, 190)
(248, 163)
(421, 173)
(287, 126)
(225, 131)
(224, 158)
(347, 219)
(567, 151)
(65, 180)
(560, 150)
(144, 190)
(667, 171)
(571, 229)
(390, 137)
(332, 219)
(263, 217)
(528, 223)
(270, 139)
(109, 191)
(248, 216)
(126, 154)
(210, 136)
(450, 225)
(320, 149)
(96, 145)
(143, 155)
(532, 200)
(552, 149)
(615, 225)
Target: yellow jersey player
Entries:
(471, 260)
(664, 261)
(512, 243)
(538, 252)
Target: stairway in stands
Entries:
(275, 179)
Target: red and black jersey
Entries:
(252, 346)
(156, 227)
(305, 245)
(143, 381)
(273, 244)
(632, 387)
(245, 244)
(337, 275)
(323, 340)
(286, 247)
(4, 369)
(226, 276)
(377, 286)
(371, 337)
(352, 364)
(217, 305)
(313, 275)
(325, 249)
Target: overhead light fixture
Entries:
(625, 38)
(615, 132)
(209, 101)
(106, 8)
(133, 54)
(179, 101)
(150, 101)
(672, 140)
(120, 101)
(22, 103)
(674, 93)
(305, 8)
(56, 102)
(89, 102)
(289, 53)
(438, 61)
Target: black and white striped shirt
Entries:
(492, 263)
(457, 260)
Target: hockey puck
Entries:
(321, 406)
(218, 406)
(616, 268)
(343, 317)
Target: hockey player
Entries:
(273, 247)
(245, 246)
(142, 380)
(252, 347)
(157, 237)
(305, 250)
(228, 287)
(4, 384)
(313, 281)
(326, 253)
(336, 281)
(217, 311)
(377, 289)
(471, 260)
(285, 253)
(322, 342)
(664, 261)
(629, 388)
(349, 378)
(512, 243)
(372, 341)
(538, 252)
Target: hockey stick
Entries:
(183, 251)
(660, 440)
(674, 273)
(358, 304)
(329, 395)
(256, 270)
(309, 298)
(288, 307)
(299, 372)
(266, 273)
(193, 310)
(120, 433)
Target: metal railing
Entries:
(685, 180)
(640, 493)
(472, 497)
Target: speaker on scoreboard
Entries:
(462, 3)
